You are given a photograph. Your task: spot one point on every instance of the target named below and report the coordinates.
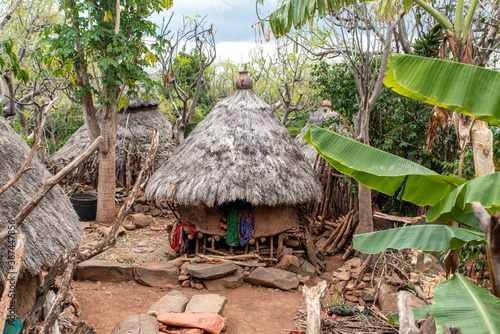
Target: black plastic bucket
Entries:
(85, 205)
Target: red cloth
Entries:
(176, 245)
(210, 322)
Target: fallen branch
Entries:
(34, 148)
(10, 283)
(113, 234)
(406, 220)
(239, 263)
(49, 184)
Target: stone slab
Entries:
(232, 281)
(158, 274)
(273, 278)
(211, 303)
(211, 271)
(137, 324)
(104, 270)
(174, 301)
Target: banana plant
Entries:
(450, 197)
(462, 304)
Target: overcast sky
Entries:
(232, 20)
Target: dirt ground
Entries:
(249, 309)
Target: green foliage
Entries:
(121, 56)
(336, 83)
(476, 253)
(64, 127)
(186, 66)
(11, 63)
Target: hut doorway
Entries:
(237, 219)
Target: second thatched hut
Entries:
(133, 140)
(238, 158)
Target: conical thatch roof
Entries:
(239, 151)
(134, 133)
(322, 114)
(52, 226)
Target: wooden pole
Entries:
(271, 248)
(280, 244)
(312, 297)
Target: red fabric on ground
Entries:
(176, 245)
(210, 322)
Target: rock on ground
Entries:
(211, 271)
(273, 278)
(137, 324)
(390, 304)
(104, 270)
(140, 220)
(207, 303)
(232, 281)
(159, 274)
(173, 301)
(306, 269)
(289, 263)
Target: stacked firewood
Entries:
(337, 199)
(335, 235)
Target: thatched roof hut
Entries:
(239, 152)
(50, 228)
(324, 113)
(133, 140)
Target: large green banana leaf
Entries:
(460, 303)
(467, 89)
(380, 170)
(427, 238)
(294, 13)
(484, 189)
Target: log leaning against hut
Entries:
(238, 157)
(50, 228)
(133, 139)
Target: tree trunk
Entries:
(106, 183)
(364, 194)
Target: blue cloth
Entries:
(246, 226)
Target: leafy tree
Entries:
(109, 35)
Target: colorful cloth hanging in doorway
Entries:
(232, 228)
(246, 226)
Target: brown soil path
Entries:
(249, 309)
